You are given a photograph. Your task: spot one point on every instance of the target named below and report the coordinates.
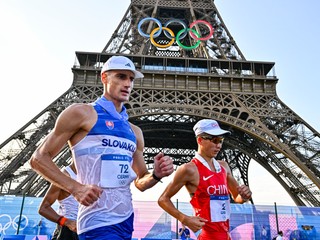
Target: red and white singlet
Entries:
(211, 200)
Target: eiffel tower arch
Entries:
(180, 87)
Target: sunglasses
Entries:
(213, 139)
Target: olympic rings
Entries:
(5, 226)
(159, 45)
(180, 35)
(11, 222)
(186, 30)
(146, 19)
(205, 23)
(177, 21)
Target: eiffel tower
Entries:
(200, 74)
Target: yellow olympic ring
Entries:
(162, 45)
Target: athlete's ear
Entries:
(103, 77)
(199, 140)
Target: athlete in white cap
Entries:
(108, 153)
(209, 183)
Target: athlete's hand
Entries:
(244, 192)
(163, 165)
(194, 223)
(87, 194)
(71, 224)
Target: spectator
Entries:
(184, 232)
(280, 236)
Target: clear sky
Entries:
(38, 40)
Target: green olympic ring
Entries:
(186, 30)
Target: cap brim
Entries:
(137, 74)
(218, 132)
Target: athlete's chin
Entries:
(124, 98)
(214, 154)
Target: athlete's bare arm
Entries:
(71, 126)
(45, 209)
(186, 175)
(240, 194)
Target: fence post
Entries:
(275, 209)
(21, 209)
(177, 223)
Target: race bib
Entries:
(116, 171)
(219, 208)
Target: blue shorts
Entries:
(120, 231)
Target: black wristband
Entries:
(155, 177)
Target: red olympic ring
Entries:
(205, 23)
(192, 32)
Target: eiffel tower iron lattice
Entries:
(180, 87)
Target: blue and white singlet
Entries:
(104, 158)
(68, 207)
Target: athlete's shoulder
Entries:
(225, 165)
(137, 130)
(188, 168)
(134, 127)
(80, 107)
(80, 110)
(83, 116)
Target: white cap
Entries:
(121, 63)
(210, 127)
